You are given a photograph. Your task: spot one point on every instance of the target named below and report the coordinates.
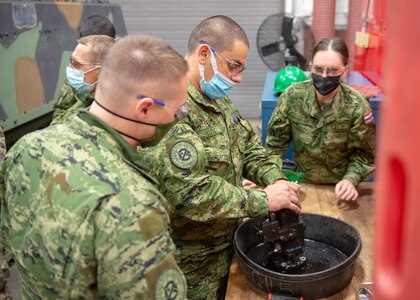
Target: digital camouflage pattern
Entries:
(69, 102)
(4, 256)
(36, 41)
(331, 144)
(200, 165)
(83, 219)
(2, 144)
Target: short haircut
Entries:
(335, 44)
(99, 46)
(220, 32)
(140, 62)
(97, 25)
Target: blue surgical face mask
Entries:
(76, 80)
(219, 85)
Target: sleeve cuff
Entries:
(257, 203)
(272, 176)
(353, 178)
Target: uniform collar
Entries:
(113, 140)
(311, 106)
(85, 98)
(200, 98)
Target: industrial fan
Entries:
(276, 41)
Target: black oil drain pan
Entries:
(331, 245)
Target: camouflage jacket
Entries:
(4, 256)
(332, 144)
(69, 102)
(200, 165)
(2, 144)
(83, 219)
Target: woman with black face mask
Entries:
(331, 124)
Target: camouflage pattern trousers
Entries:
(5, 258)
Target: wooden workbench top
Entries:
(321, 199)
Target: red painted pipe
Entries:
(323, 20)
(397, 239)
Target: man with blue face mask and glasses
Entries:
(82, 73)
(201, 162)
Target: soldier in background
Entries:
(201, 162)
(82, 74)
(2, 144)
(93, 25)
(330, 124)
(4, 256)
(79, 210)
(97, 25)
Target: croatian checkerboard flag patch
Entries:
(368, 117)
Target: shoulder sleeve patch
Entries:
(368, 117)
(170, 285)
(183, 155)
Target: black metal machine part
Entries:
(284, 231)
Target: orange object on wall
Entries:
(397, 238)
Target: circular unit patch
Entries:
(184, 155)
(170, 286)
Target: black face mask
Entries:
(161, 129)
(325, 85)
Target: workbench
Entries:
(321, 199)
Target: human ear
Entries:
(142, 109)
(203, 52)
(346, 71)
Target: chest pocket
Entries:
(215, 144)
(336, 143)
(219, 161)
(337, 135)
(212, 137)
(303, 132)
(243, 134)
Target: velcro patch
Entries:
(184, 155)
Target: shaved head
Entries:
(137, 64)
(219, 32)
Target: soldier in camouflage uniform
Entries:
(69, 98)
(4, 256)
(97, 25)
(331, 125)
(78, 91)
(2, 145)
(79, 210)
(201, 162)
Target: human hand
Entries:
(345, 190)
(248, 184)
(283, 194)
(292, 185)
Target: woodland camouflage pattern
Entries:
(2, 145)
(4, 256)
(83, 219)
(330, 144)
(69, 102)
(200, 165)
